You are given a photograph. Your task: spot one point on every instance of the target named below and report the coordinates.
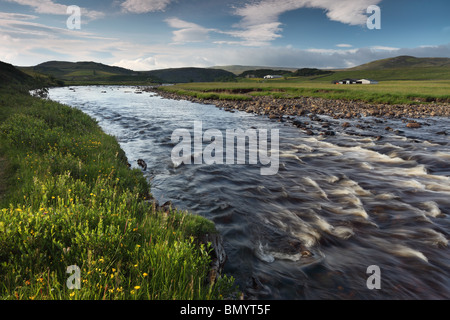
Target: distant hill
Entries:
(397, 68)
(238, 69)
(88, 72)
(10, 75)
(403, 62)
(85, 71)
(184, 75)
(261, 73)
(62, 69)
(93, 72)
(304, 72)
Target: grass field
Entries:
(68, 198)
(388, 92)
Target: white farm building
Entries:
(270, 76)
(356, 81)
(367, 81)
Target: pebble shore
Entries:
(289, 109)
(338, 109)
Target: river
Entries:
(346, 216)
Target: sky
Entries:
(158, 34)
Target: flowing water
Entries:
(352, 200)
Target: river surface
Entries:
(373, 213)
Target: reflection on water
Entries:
(337, 205)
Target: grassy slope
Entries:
(72, 200)
(404, 62)
(423, 73)
(392, 92)
(238, 69)
(81, 73)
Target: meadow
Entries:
(385, 92)
(68, 198)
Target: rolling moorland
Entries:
(402, 80)
(69, 198)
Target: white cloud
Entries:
(144, 6)
(263, 16)
(187, 31)
(255, 35)
(50, 7)
(26, 42)
(140, 64)
(344, 45)
(384, 48)
(16, 16)
(43, 6)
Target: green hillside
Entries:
(238, 69)
(87, 73)
(424, 73)
(62, 69)
(403, 62)
(185, 75)
(98, 73)
(397, 68)
(9, 76)
(392, 69)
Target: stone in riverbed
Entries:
(297, 123)
(328, 133)
(346, 125)
(413, 125)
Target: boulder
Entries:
(413, 125)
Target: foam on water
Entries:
(432, 208)
(314, 184)
(405, 251)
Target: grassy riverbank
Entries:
(386, 92)
(68, 198)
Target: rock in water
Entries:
(142, 164)
(219, 255)
(413, 125)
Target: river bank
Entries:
(338, 109)
(70, 200)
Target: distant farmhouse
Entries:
(367, 81)
(355, 81)
(270, 76)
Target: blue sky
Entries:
(156, 34)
